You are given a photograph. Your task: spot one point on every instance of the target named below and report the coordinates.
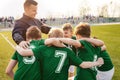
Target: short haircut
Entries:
(67, 26)
(83, 29)
(33, 32)
(27, 3)
(55, 33)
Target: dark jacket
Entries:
(21, 26)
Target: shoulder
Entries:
(39, 42)
(83, 42)
(68, 50)
(19, 22)
(43, 47)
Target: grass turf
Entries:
(110, 34)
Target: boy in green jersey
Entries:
(56, 60)
(68, 33)
(85, 50)
(106, 71)
(28, 67)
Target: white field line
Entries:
(7, 41)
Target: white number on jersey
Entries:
(29, 60)
(62, 55)
(95, 59)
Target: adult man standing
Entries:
(28, 19)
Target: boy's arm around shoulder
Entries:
(69, 41)
(95, 42)
(24, 52)
(54, 41)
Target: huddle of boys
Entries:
(50, 59)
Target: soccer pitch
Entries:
(110, 34)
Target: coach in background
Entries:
(28, 19)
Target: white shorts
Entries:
(71, 69)
(105, 75)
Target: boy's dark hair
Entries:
(27, 3)
(33, 32)
(67, 26)
(83, 29)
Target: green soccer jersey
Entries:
(87, 53)
(28, 67)
(56, 61)
(108, 65)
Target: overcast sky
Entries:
(48, 8)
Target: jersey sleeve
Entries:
(74, 60)
(98, 51)
(86, 44)
(14, 57)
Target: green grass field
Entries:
(110, 34)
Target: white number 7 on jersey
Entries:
(63, 56)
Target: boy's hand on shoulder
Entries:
(24, 44)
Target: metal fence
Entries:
(74, 21)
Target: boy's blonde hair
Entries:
(55, 33)
(67, 26)
(83, 29)
(33, 32)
